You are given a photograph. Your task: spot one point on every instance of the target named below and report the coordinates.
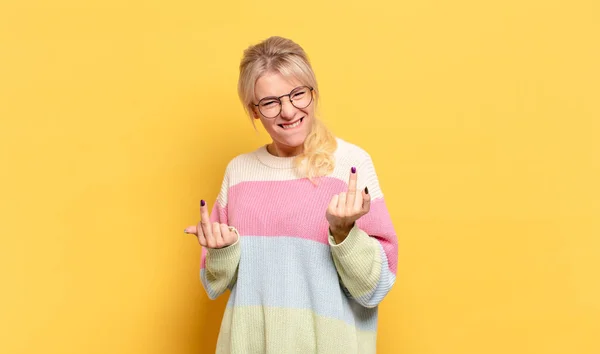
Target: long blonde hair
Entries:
(281, 55)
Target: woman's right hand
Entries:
(212, 235)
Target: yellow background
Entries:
(117, 117)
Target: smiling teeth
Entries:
(292, 125)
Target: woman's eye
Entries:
(269, 103)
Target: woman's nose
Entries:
(287, 108)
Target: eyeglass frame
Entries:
(289, 95)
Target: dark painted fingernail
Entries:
(202, 203)
(353, 169)
(367, 190)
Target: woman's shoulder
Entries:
(242, 161)
(351, 152)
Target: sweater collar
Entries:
(273, 161)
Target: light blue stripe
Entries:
(295, 273)
(385, 283)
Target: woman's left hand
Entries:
(347, 207)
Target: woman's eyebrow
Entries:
(279, 97)
(268, 97)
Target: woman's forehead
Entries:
(275, 84)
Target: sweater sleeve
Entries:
(367, 259)
(218, 268)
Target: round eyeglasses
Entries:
(300, 97)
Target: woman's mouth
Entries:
(294, 125)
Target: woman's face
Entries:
(287, 136)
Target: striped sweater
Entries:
(293, 289)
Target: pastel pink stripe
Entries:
(265, 208)
(283, 208)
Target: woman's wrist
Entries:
(340, 233)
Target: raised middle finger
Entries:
(205, 221)
(351, 195)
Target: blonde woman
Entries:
(300, 232)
